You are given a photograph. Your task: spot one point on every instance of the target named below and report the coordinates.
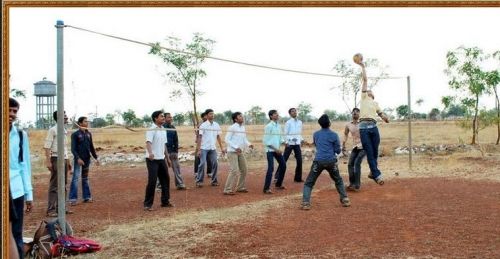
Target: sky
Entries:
(104, 75)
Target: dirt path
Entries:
(429, 217)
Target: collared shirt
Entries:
(82, 145)
(158, 139)
(272, 136)
(19, 172)
(354, 129)
(293, 131)
(172, 139)
(327, 145)
(236, 138)
(209, 132)
(369, 107)
(51, 142)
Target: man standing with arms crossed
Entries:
(50, 147)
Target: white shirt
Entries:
(236, 138)
(209, 132)
(293, 131)
(158, 139)
(51, 142)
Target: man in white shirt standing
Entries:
(209, 133)
(50, 148)
(156, 154)
(237, 142)
(293, 132)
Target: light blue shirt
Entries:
(293, 131)
(272, 136)
(19, 172)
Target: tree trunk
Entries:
(475, 122)
(498, 115)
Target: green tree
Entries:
(493, 79)
(98, 122)
(179, 119)
(228, 115)
(129, 117)
(433, 114)
(350, 85)
(220, 117)
(332, 114)
(304, 111)
(110, 119)
(403, 111)
(468, 78)
(257, 115)
(16, 93)
(146, 119)
(184, 65)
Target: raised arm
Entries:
(364, 78)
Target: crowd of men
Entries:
(162, 145)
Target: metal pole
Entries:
(409, 124)
(61, 196)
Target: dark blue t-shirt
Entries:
(327, 145)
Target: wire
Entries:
(223, 59)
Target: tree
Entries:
(146, 119)
(228, 115)
(98, 122)
(256, 114)
(16, 93)
(350, 85)
(403, 111)
(332, 114)
(304, 111)
(220, 117)
(184, 65)
(110, 119)
(179, 119)
(493, 78)
(433, 114)
(468, 78)
(129, 117)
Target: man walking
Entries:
(327, 147)
(173, 150)
(21, 190)
(203, 116)
(293, 133)
(156, 154)
(82, 148)
(237, 142)
(209, 133)
(272, 141)
(357, 152)
(50, 148)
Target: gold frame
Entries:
(6, 5)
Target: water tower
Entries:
(45, 93)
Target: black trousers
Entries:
(157, 169)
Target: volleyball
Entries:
(357, 58)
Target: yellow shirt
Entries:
(368, 107)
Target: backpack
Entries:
(69, 245)
(43, 245)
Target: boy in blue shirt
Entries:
(327, 147)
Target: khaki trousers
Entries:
(237, 170)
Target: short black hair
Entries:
(324, 121)
(155, 115)
(355, 109)
(235, 115)
(13, 103)
(271, 112)
(54, 115)
(207, 111)
(290, 110)
(81, 119)
(203, 114)
(166, 113)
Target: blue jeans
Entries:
(17, 224)
(84, 172)
(298, 157)
(316, 168)
(370, 138)
(280, 172)
(354, 167)
(210, 155)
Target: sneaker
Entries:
(199, 185)
(148, 209)
(306, 206)
(167, 205)
(88, 201)
(350, 188)
(345, 202)
(379, 180)
(215, 184)
(268, 191)
(242, 190)
(229, 193)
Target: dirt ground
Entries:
(407, 217)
